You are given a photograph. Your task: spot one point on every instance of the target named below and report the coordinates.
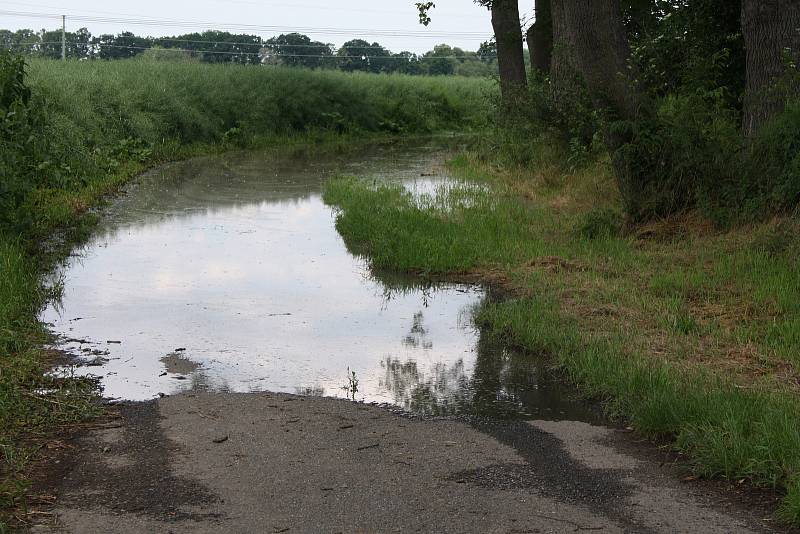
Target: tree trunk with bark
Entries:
(510, 57)
(540, 38)
(595, 31)
(594, 34)
(771, 30)
(565, 78)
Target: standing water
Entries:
(227, 274)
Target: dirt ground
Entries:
(268, 463)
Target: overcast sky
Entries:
(392, 23)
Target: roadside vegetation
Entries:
(72, 133)
(637, 201)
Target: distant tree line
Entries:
(292, 49)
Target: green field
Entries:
(154, 102)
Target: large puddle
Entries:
(227, 274)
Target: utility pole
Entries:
(63, 37)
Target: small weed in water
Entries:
(352, 384)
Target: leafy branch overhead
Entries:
(424, 8)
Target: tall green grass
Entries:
(153, 102)
(91, 121)
(19, 291)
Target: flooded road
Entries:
(224, 279)
(227, 274)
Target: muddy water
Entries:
(227, 274)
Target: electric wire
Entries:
(448, 13)
(249, 27)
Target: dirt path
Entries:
(277, 463)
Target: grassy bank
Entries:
(689, 333)
(152, 101)
(73, 133)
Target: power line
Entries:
(260, 42)
(249, 27)
(448, 14)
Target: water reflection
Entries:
(227, 274)
(502, 383)
(418, 338)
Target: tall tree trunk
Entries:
(564, 75)
(510, 57)
(595, 34)
(595, 30)
(771, 29)
(540, 37)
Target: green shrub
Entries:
(676, 159)
(545, 127)
(771, 181)
(34, 155)
(21, 139)
(691, 154)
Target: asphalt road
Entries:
(266, 463)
